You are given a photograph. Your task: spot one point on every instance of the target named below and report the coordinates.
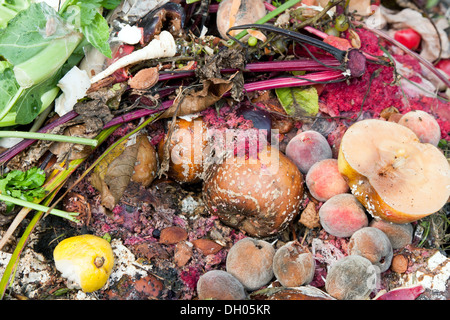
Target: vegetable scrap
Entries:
(233, 149)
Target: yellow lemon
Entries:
(87, 260)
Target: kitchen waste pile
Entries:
(233, 149)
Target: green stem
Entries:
(53, 186)
(13, 263)
(267, 17)
(105, 153)
(48, 136)
(35, 206)
(65, 5)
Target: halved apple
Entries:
(393, 174)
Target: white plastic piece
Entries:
(129, 34)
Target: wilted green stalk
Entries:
(48, 136)
(63, 214)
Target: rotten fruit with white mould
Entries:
(393, 174)
(259, 195)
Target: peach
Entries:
(342, 215)
(307, 148)
(293, 265)
(250, 261)
(423, 124)
(324, 180)
(219, 285)
(372, 244)
(351, 278)
(400, 235)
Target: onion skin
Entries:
(246, 195)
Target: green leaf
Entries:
(110, 4)
(97, 33)
(8, 87)
(18, 46)
(88, 12)
(30, 103)
(9, 9)
(25, 185)
(299, 102)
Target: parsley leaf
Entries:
(25, 185)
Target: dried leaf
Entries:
(102, 167)
(213, 90)
(113, 174)
(224, 59)
(120, 170)
(310, 217)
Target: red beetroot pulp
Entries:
(346, 99)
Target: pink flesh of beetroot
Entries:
(403, 293)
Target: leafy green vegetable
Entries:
(299, 102)
(9, 8)
(38, 46)
(97, 33)
(25, 185)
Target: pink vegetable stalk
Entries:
(402, 293)
(294, 65)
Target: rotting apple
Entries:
(185, 150)
(259, 195)
(393, 174)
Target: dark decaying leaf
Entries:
(225, 59)
(191, 103)
(70, 151)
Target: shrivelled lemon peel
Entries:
(86, 260)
